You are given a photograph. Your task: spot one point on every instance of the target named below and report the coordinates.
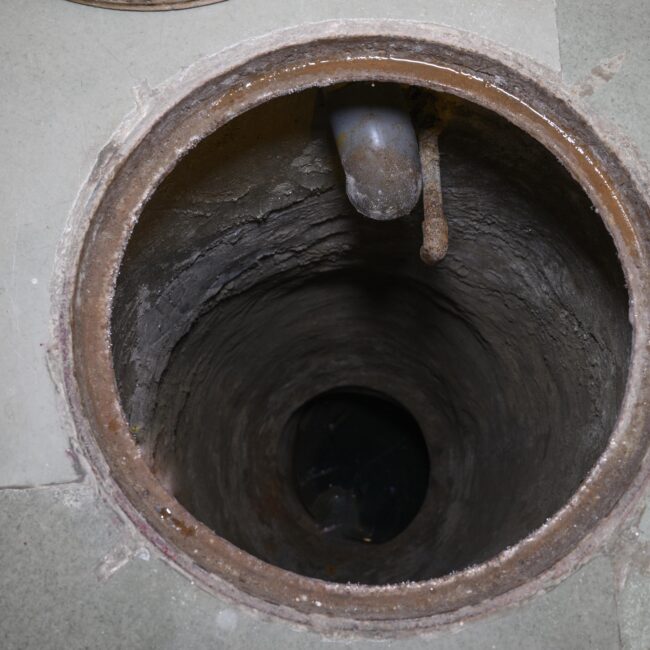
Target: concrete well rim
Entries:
(214, 94)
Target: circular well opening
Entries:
(294, 383)
(252, 295)
(360, 464)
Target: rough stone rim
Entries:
(197, 103)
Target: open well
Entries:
(267, 371)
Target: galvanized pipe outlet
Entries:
(378, 147)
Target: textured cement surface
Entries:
(64, 592)
(72, 575)
(605, 55)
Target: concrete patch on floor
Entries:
(634, 609)
(631, 555)
(604, 57)
(67, 582)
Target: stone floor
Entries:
(72, 574)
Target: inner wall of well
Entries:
(250, 285)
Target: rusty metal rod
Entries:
(435, 231)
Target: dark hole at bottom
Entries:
(360, 464)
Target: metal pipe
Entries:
(378, 148)
(435, 232)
